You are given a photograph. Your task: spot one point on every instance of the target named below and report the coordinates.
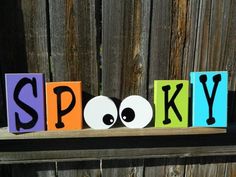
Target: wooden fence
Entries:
(118, 48)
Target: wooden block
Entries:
(25, 102)
(64, 105)
(135, 112)
(100, 112)
(171, 103)
(209, 98)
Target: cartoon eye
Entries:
(135, 112)
(100, 113)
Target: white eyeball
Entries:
(135, 112)
(100, 113)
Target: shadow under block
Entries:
(171, 98)
(209, 98)
(64, 105)
(25, 102)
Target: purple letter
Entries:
(25, 102)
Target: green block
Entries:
(171, 100)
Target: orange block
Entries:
(64, 105)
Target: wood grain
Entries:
(178, 35)
(168, 167)
(24, 37)
(124, 168)
(154, 167)
(206, 167)
(23, 40)
(229, 60)
(36, 44)
(175, 167)
(37, 170)
(217, 35)
(190, 38)
(75, 169)
(202, 38)
(114, 132)
(12, 34)
(73, 43)
(111, 154)
(230, 170)
(160, 41)
(125, 47)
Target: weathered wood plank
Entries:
(217, 34)
(230, 48)
(36, 42)
(168, 167)
(23, 35)
(111, 154)
(230, 167)
(154, 167)
(73, 42)
(229, 59)
(125, 47)
(114, 132)
(75, 169)
(175, 167)
(124, 168)
(211, 35)
(12, 34)
(178, 36)
(202, 39)
(23, 39)
(37, 170)
(160, 40)
(206, 167)
(190, 37)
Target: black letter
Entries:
(24, 106)
(58, 91)
(171, 103)
(210, 100)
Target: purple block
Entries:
(25, 102)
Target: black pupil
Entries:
(108, 119)
(128, 115)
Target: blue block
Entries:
(209, 98)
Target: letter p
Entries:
(64, 105)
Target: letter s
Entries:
(24, 106)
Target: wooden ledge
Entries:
(113, 132)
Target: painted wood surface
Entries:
(25, 102)
(64, 105)
(135, 112)
(100, 113)
(171, 100)
(209, 98)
